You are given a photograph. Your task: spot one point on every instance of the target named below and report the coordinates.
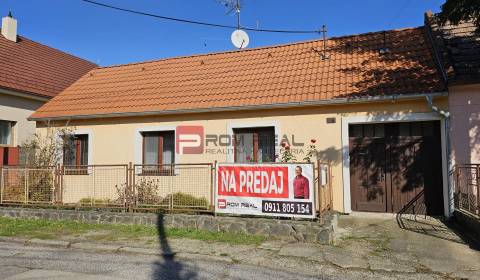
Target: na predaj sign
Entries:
(284, 190)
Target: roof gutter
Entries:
(337, 101)
(24, 95)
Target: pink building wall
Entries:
(464, 106)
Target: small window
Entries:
(254, 144)
(6, 131)
(158, 152)
(428, 129)
(404, 129)
(356, 130)
(75, 154)
(368, 130)
(379, 130)
(416, 129)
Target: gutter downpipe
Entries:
(446, 117)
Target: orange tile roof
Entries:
(33, 68)
(247, 78)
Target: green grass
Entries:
(46, 229)
(378, 244)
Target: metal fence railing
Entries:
(27, 185)
(466, 179)
(128, 186)
(173, 186)
(94, 185)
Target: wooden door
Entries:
(405, 171)
(367, 174)
(391, 165)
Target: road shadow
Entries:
(168, 267)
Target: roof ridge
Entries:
(253, 49)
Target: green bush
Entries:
(182, 199)
(87, 201)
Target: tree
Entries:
(456, 11)
(46, 149)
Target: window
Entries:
(158, 150)
(6, 128)
(367, 130)
(254, 144)
(75, 154)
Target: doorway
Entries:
(393, 164)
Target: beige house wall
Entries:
(116, 140)
(18, 109)
(464, 106)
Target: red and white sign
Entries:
(189, 139)
(265, 189)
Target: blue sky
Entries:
(111, 37)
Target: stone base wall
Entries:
(321, 231)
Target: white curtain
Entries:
(244, 147)
(5, 132)
(151, 149)
(168, 147)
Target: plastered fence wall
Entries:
(118, 140)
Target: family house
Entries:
(371, 102)
(30, 75)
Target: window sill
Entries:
(7, 146)
(157, 173)
(76, 172)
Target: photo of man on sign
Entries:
(301, 186)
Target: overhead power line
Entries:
(200, 22)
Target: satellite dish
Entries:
(240, 39)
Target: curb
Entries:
(98, 247)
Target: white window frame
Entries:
(231, 126)
(139, 140)
(391, 118)
(85, 131)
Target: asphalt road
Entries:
(28, 262)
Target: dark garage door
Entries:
(393, 164)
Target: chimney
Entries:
(9, 28)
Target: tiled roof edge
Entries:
(26, 94)
(336, 101)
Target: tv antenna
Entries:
(239, 37)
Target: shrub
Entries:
(87, 201)
(14, 193)
(182, 199)
(147, 193)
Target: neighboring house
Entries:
(30, 75)
(458, 49)
(363, 100)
